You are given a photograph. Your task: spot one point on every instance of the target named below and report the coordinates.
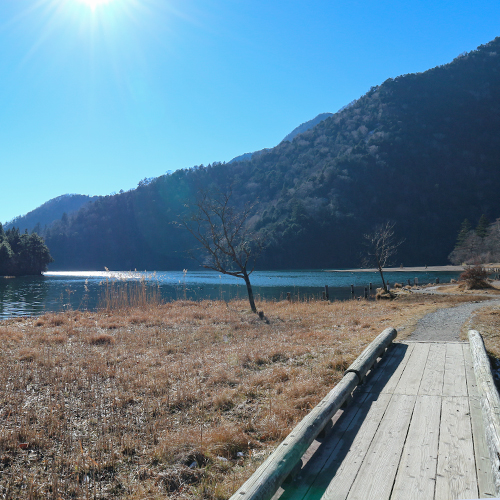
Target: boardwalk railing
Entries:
(270, 475)
(490, 401)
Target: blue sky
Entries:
(95, 97)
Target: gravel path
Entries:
(444, 325)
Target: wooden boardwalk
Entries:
(414, 430)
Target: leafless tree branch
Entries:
(223, 232)
(382, 246)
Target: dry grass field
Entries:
(487, 322)
(183, 399)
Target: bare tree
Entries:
(382, 246)
(230, 246)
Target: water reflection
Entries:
(58, 291)
(22, 296)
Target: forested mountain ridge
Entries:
(50, 211)
(303, 127)
(422, 150)
(295, 132)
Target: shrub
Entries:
(475, 277)
(102, 339)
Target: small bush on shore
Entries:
(475, 278)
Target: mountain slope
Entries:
(421, 150)
(304, 127)
(296, 131)
(49, 212)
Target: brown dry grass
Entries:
(487, 322)
(182, 399)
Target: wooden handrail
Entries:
(270, 475)
(490, 401)
(366, 359)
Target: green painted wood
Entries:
(342, 468)
(266, 480)
(315, 472)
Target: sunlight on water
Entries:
(125, 275)
(65, 290)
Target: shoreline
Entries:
(416, 269)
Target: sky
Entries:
(96, 95)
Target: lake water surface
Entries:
(56, 291)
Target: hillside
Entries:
(303, 127)
(50, 211)
(421, 150)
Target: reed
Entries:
(125, 294)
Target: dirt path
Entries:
(444, 325)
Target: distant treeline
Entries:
(478, 245)
(22, 254)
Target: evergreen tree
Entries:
(14, 238)
(6, 256)
(482, 227)
(23, 254)
(462, 234)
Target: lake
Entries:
(57, 291)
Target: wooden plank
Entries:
(341, 469)
(456, 469)
(376, 371)
(472, 388)
(416, 477)
(484, 469)
(455, 381)
(392, 381)
(395, 356)
(378, 470)
(432, 379)
(353, 416)
(409, 382)
(490, 402)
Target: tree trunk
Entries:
(382, 276)
(250, 292)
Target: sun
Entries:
(93, 4)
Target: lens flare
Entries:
(93, 4)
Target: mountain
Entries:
(420, 150)
(304, 127)
(50, 211)
(247, 156)
(296, 131)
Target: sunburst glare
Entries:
(93, 4)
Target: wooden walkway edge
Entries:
(271, 474)
(490, 401)
(414, 431)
